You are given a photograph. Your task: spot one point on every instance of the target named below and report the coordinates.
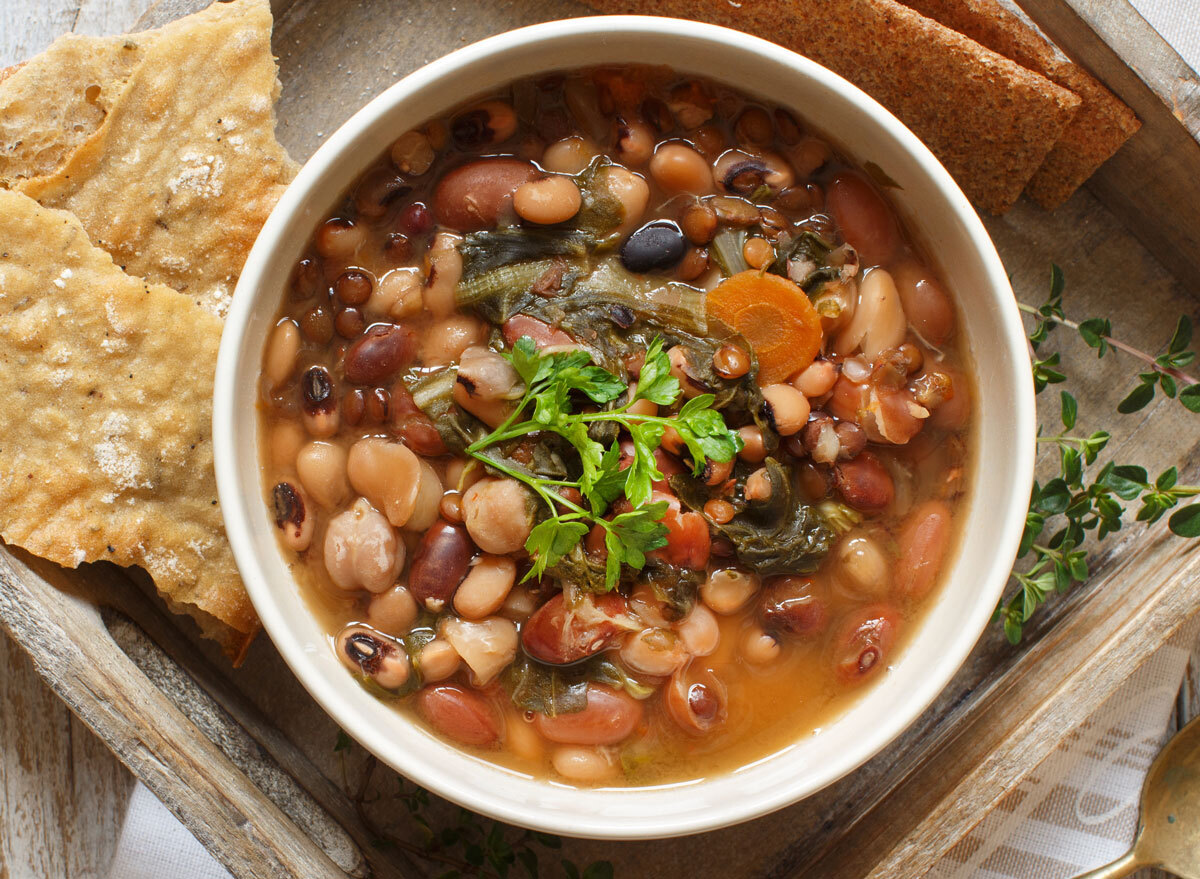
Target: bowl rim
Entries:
(457, 787)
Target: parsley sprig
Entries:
(554, 383)
(1080, 504)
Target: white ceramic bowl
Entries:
(1004, 409)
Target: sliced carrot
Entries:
(775, 316)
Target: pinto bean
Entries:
(375, 356)
(459, 714)
(387, 474)
(445, 271)
(474, 196)
(559, 636)
(609, 716)
(440, 564)
(864, 483)
(570, 155)
(676, 167)
(362, 551)
(486, 586)
(795, 606)
(498, 515)
(322, 469)
(864, 217)
(550, 200)
(861, 642)
(392, 611)
(922, 545)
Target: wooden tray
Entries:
(247, 760)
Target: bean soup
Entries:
(616, 427)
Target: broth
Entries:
(870, 443)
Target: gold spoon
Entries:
(1168, 835)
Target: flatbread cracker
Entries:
(105, 440)
(183, 172)
(52, 103)
(990, 121)
(1098, 130)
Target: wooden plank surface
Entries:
(251, 742)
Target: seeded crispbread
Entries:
(1102, 124)
(105, 441)
(180, 177)
(52, 103)
(989, 120)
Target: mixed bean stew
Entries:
(616, 427)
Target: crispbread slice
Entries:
(52, 103)
(989, 120)
(1098, 130)
(181, 175)
(105, 439)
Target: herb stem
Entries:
(1176, 374)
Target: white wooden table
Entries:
(62, 792)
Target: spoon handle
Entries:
(1122, 866)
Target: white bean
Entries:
(362, 551)
(726, 591)
(322, 469)
(485, 587)
(581, 763)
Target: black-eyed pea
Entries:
(635, 143)
(393, 611)
(372, 654)
(485, 124)
(787, 409)
(583, 764)
(282, 350)
(322, 469)
(437, 660)
(553, 199)
(728, 590)
(758, 485)
(486, 586)
(445, 271)
(293, 515)
(340, 239)
(628, 188)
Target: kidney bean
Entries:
(922, 545)
(864, 483)
(557, 636)
(864, 217)
(926, 305)
(415, 220)
(475, 195)
(349, 322)
(609, 716)
(794, 606)
(440, 564)
(375, 356)
(459, 714)
(861, 642)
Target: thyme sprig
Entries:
(554, 383)
(1080, 505)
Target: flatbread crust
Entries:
(990, 121)
(105, 438)
(1098, 130)
(52, 103)
(185, 168)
